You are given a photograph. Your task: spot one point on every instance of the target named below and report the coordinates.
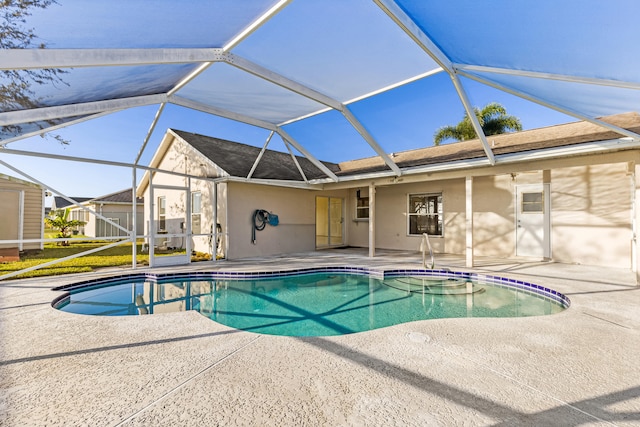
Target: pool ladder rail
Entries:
(425, 245)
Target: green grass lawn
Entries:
(113, 257)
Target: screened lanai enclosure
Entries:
(324, 80)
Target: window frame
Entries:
(359, 208)
(196, 214)
(438, 213)
(532, 206)
(162, 214)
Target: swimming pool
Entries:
(313, 302)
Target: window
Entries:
(532, 202)
(196, 211)
(362, 206)
(162, 213)
(425, 214)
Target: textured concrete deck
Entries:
(577, 368)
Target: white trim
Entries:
(53, 128)
(285, 136)
(372, 220)
(370, 140)
(413, 30)
(26, 59)
(68, 199)
(281, 81)
(152, 127)
(585, 148)
(469, 221)
(295, 161)
(553, 106)
(195, 73)
(97, 161)
(472, 117)
(265, 17)
(395, 85)
(80, 109)
(56, 261)
(547, 76)
(194, 105)
(264, 148)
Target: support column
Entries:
(214, 220)
(372, 220)
(469, 220)
(134, 228)
(635, 262)
(152, 224)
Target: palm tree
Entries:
(493, 119)
(59, 221)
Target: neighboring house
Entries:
(21, 215)
(117, 207)
(566, 193)
(62, 203)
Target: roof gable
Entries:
(237, 159)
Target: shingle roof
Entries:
(237, 159)
(535, 139)
(60, 203)
(123, 196)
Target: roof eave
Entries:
(583, 149)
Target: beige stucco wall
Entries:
(591, 210)
(33, 225)
(296, 213)
(181, 157)
(391, 216)
(493, 216)
(591, 214)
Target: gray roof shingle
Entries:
(237, 159)
(123, 196)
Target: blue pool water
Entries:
(314, 303)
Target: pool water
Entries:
(316, 304)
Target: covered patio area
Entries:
(578, 367)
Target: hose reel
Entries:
(261, 218)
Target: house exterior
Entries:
(59, 203)
(116, 207)
(565, 193)
(21, 215)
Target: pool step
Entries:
(435, 286)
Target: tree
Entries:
(493, 119)
(59, 221)
(17, 87)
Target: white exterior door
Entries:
(532, 221)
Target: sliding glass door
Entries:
(329, 222)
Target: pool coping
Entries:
(527, 287)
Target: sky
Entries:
(403, 119)
(400, 119)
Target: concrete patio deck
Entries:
(577, 368)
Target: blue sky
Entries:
(401, 119)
